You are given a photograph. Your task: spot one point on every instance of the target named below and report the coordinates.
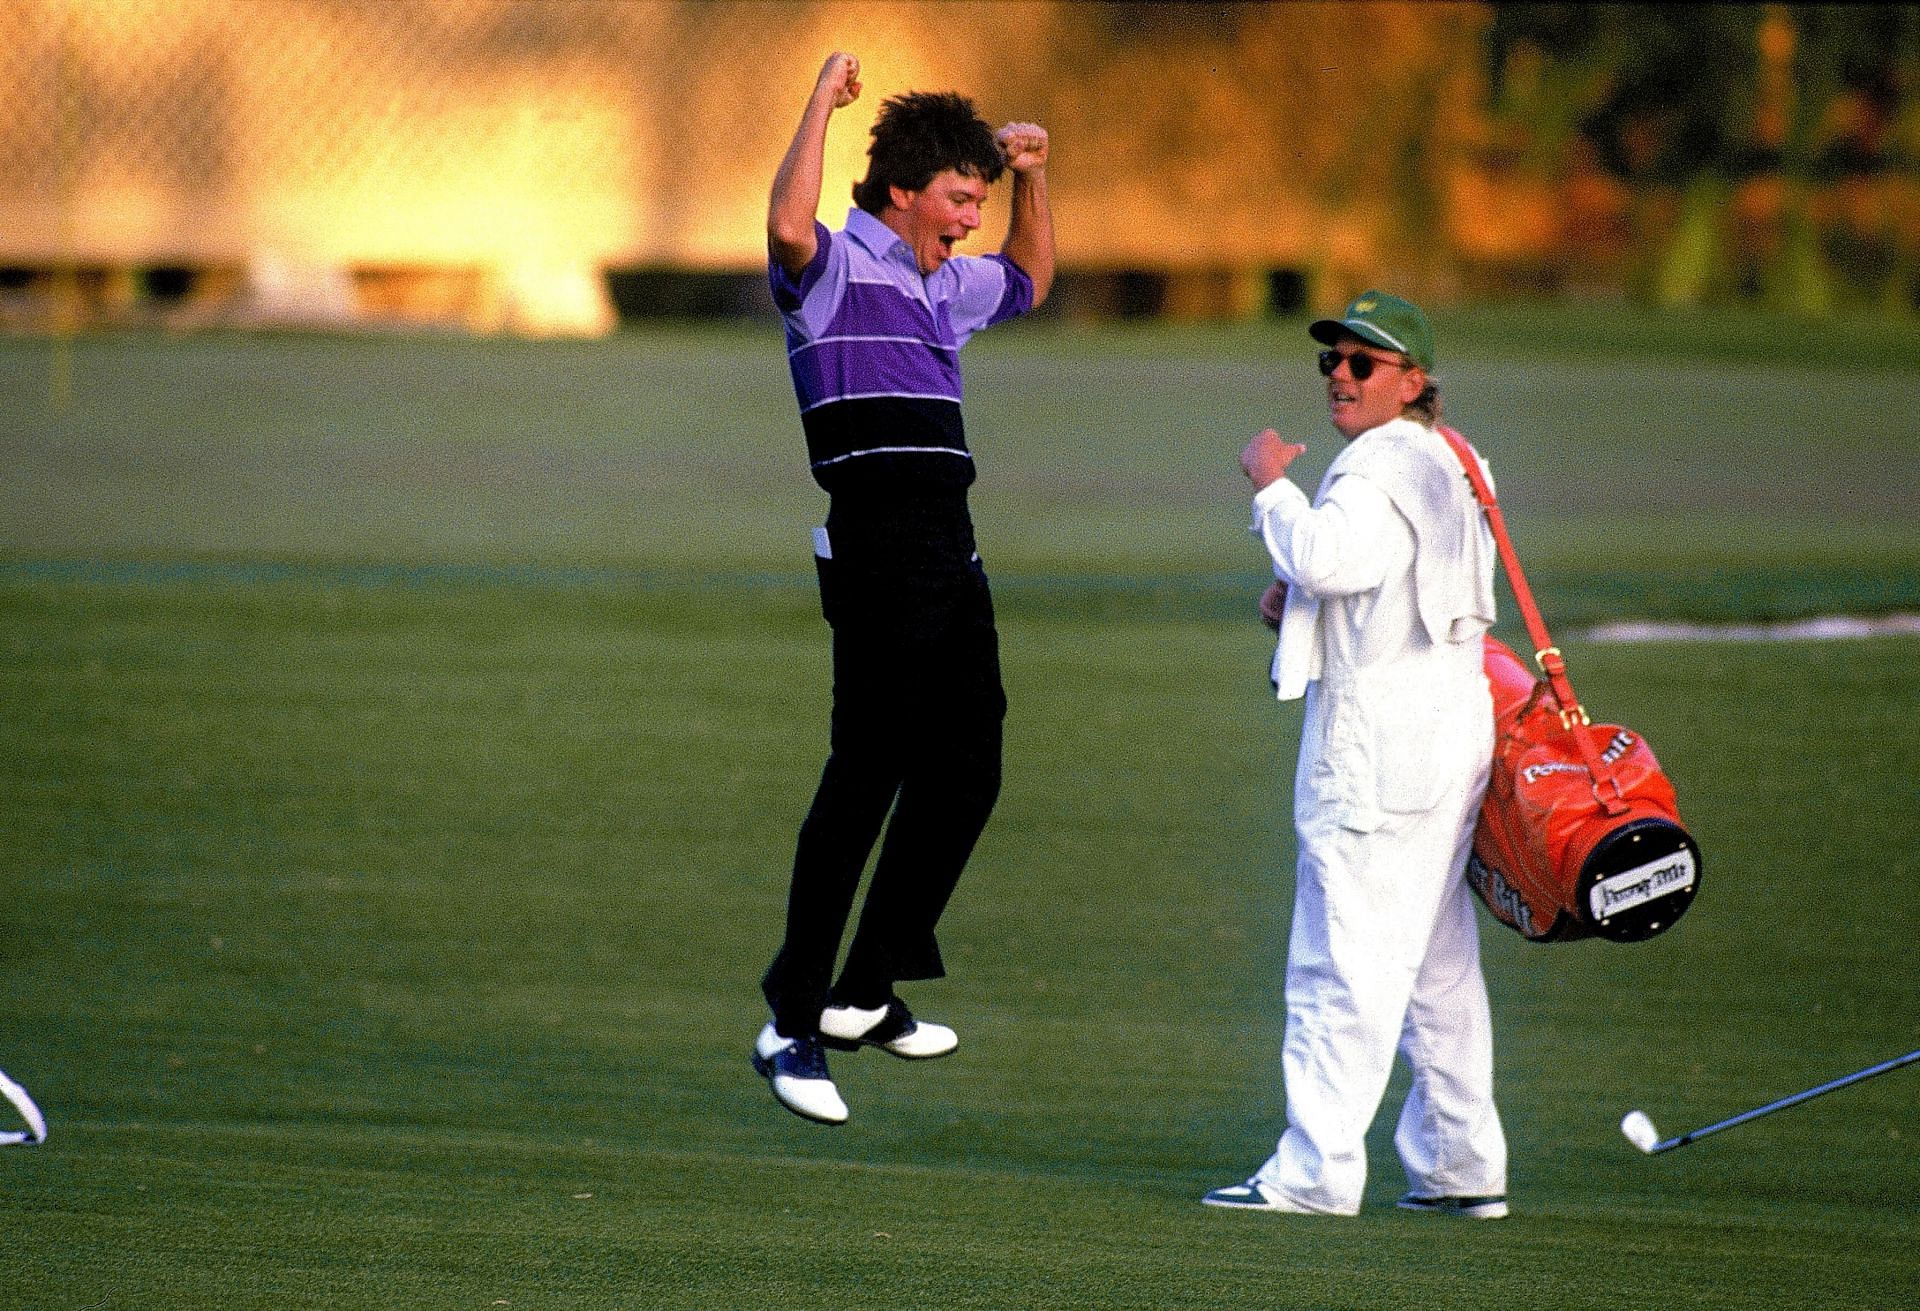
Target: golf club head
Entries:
(1639, 1130)
(36, 1130)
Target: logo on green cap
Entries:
(1385, 320)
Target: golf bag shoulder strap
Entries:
(1545, 654)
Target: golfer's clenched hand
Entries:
(841, 76)
(1024, 145)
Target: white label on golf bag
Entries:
(1641, 884)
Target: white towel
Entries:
(1296, 656)
(1454, 555)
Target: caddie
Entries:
(876, 314)
(1384, 587)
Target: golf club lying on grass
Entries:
(1641, 1133)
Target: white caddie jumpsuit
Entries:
(1390, 586)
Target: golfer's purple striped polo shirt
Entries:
(875, 353)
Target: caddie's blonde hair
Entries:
(1425, 408)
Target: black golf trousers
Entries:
(916, 734)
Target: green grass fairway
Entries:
(402, 742)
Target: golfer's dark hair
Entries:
(920, 134)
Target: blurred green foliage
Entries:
(1780, 143)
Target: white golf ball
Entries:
(1639, 1130)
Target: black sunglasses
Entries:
(1359, 363)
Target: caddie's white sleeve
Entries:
(1336, 548)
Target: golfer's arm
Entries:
(1030, 231)
(796, 188)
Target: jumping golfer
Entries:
(876, 315)
(1384, 587)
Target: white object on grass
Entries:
(1639, 1130)
(36, 1130)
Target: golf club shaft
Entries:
(1785, 1102)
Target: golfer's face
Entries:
(940, 215)
(1357, 404)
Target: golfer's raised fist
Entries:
(1024, 145)
(840, 75)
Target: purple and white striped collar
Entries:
(879, 240)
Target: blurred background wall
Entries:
(549, 166)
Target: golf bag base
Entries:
(1559, 855)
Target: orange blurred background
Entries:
(502, 165)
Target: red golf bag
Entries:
(1579, 834)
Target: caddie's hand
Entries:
(1272, 602)
(1024, 145)
(841, 76)
(1266, 458)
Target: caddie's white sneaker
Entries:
(891, 1028)
(1253, 1196)
(796, 1070)
(1472, 1208)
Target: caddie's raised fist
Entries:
(1265, 459)
(1024, 145)
(840, 75)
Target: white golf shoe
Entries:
(796, 1070)
(891, 1028)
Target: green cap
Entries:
(1385, 321)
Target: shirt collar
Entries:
(1399, 425)
(878, 238)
